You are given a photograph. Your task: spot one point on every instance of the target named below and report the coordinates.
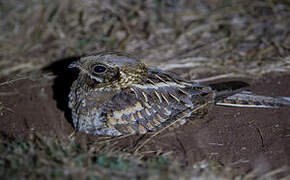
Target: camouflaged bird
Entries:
(116, 94)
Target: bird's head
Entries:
(107, 70)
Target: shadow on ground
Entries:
(62, 83)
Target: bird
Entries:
(115, 94)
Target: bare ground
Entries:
(242, 138)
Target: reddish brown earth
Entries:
(241, 137)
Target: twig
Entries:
(262, 139)
(232, 75)
(13, 80)
(115, 138)
(270, 174)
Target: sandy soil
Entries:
(240, 137)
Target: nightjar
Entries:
(116, 94)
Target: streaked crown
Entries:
(110, 70)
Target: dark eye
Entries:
(99, 69)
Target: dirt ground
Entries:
(240, 137)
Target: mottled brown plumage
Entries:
(128, 97)
(116, 94)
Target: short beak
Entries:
(73, 65)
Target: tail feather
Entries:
(247, 99)
(232, 93)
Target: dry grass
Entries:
(200, 35)
(41, 157)
(50, 158)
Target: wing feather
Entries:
(157, 101)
